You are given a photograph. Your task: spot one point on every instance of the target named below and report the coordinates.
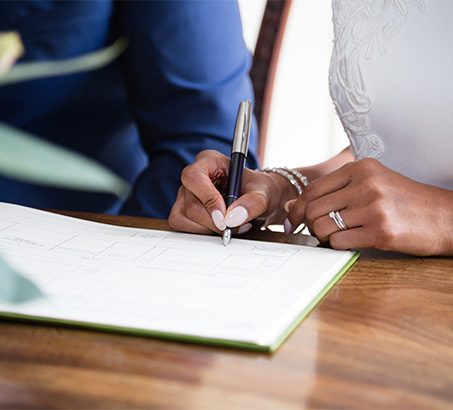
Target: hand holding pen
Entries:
(202, 201)
(237, 160)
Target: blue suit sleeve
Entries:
(186, 70)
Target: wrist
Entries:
(293, 176)
(289, 184)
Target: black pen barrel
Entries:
(233, 191)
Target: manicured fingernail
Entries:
(287, 226)
(218, 219)
(288, 205)
(236, 217)
(245, 228)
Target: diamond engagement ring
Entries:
(335, 215)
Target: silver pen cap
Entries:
(242, 128)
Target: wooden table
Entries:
(382, 338)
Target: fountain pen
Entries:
(237, 160)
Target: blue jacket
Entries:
(174, 92)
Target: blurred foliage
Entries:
(11, 48)
(31, 159)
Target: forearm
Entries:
(316, 171)
(283, 191)
(199, 97)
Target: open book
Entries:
(249, 294)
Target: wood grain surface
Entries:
(382, 338)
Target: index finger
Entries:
(328, 184)
(205, 177)
(325, 188)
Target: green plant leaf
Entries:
(87, 62)
(28, 158)
(14, 287)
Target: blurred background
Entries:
(303, 128)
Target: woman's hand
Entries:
(200, 207)
(381, 209)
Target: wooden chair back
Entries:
(265, 61)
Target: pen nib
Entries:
(226, 236)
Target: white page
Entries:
(248, 291)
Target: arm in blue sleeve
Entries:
(186, 70)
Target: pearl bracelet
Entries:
(296, 179)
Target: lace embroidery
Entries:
(360, 28)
